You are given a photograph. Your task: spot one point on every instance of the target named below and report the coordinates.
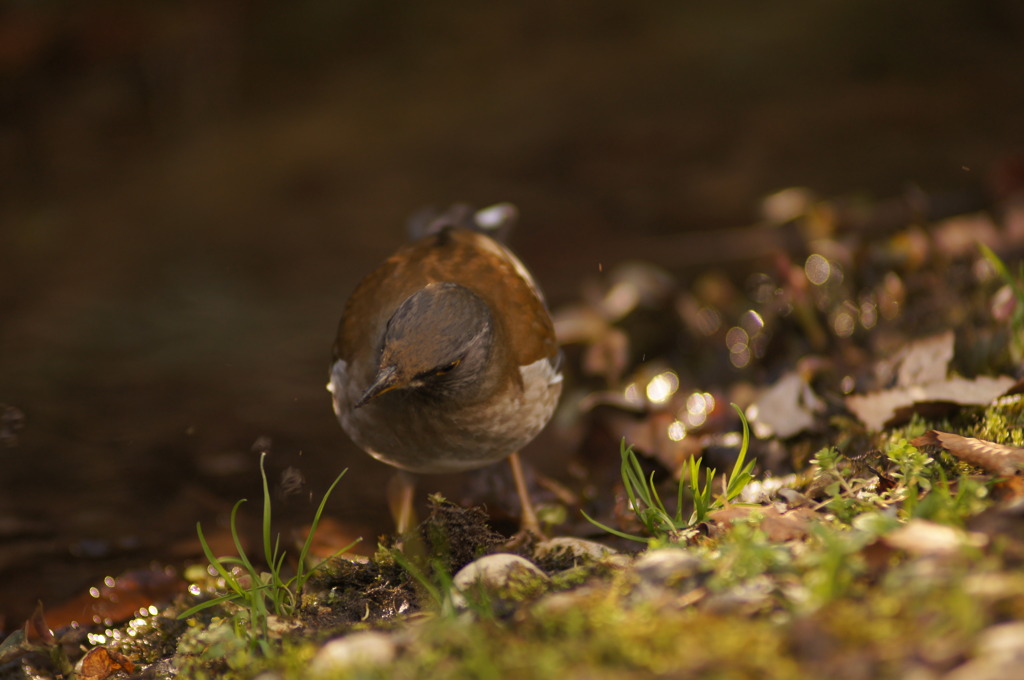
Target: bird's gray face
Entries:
(437, 342)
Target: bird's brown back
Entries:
(454, 255)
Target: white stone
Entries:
(577, 547)
(666, 566)
(492, 574)
(365, 648)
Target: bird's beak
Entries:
(386, 380)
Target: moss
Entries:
(211, 653)
(577, 576)
(599, 638)
(454, 536)
(1003, 422)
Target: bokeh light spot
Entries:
(662, 386)
(817, 269)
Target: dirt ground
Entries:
(188, 193)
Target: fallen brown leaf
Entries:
(785, 408)
(37, 630)
(778, 526)
(926, 360)
(100, 663)
(920, 379)
(875, 409)
(998, 459)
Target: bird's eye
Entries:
(448, 368)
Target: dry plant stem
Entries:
(528, 518)
(401, 494)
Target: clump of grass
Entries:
(260, 594)
(644, 500)
(918, 485)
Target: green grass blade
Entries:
(231, 560)
(282, 597)
(221, 599)
(741, 469)
(243, 558)
(702, 502)
(616, 532)
(659, 510)
(629, 470)
(270, 550)
(417, 573)
(1016, 285)
(653, 493)
(216, 563)
(300, 569)
(678, 520)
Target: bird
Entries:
(446, 358)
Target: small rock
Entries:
(501, 577)
(667, 578)
(577, 548)
(618, 561)
(666, 567)
(746, 599)
(366, 648)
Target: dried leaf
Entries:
(921, 380)
(100, 663)
(30, 637)
(875, 409)
(36, 629)
(777, 525)
(786, 408)
(921, 537)
(926, 360)
(1000, 460)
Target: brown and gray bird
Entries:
(446, 358)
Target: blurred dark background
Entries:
(190, 190)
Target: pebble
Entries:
(666, 567)
(666, 577)
(500, 576)
(365, 648)
(576, 547)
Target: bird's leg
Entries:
(401, 494)
(528, 523)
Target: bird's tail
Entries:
(496, 221)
